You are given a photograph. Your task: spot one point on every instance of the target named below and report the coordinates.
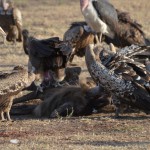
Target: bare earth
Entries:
(49, 18)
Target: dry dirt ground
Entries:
(49, 18)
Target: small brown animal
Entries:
(12, 82)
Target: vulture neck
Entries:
(89, 55)
(84, 4)
(93, 20)
(107, 79)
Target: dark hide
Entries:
(64, 102)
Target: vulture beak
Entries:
(84, 4)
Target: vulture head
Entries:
(77, 37)
(47, 57)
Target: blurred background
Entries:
(49, 18)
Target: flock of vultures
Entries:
(116, 54)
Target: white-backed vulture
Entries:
(126, 80)
(11, 83)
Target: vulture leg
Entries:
(8, 115)
(100, 37)
(9, 107)
(2, 116)
(18, 21)
(117, 104)
(117, 112)
(20, 33)
(72, 55)
(96, 38)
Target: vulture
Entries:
(126, 80)
(79, 35)
(11, 21)
(47, 57)
(117, 26)
(12, 82)
(101, 16)
(129, 31)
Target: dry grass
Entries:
(93, 132)
(52, 18)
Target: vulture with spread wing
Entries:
(126, 80)
(12, 82)
(46, 57)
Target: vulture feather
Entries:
(130, 31)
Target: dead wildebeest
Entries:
(11, 22)
(66, 101)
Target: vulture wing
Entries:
(14, 80)
(107, 13)
(126, 80)
(130, 31)
(43, 48)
